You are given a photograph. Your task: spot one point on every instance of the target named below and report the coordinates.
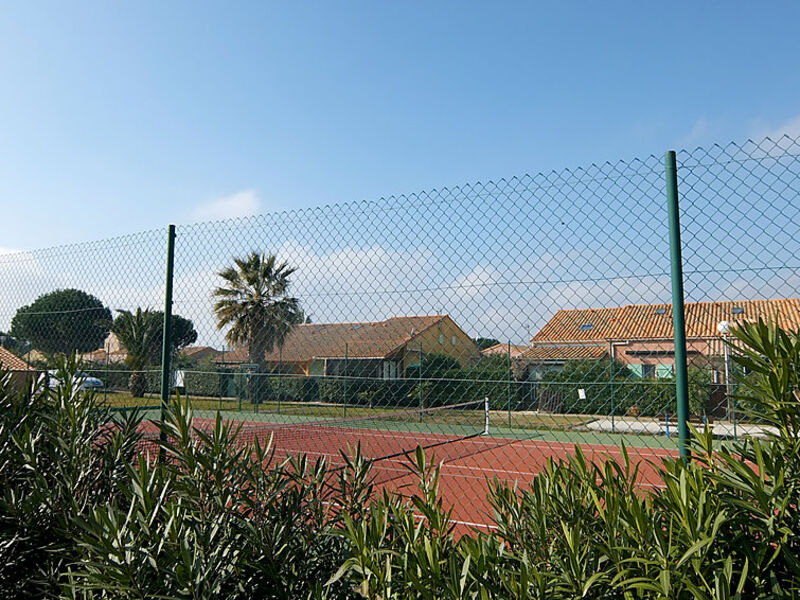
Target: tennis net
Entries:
(381, 435)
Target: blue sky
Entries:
(121, 117)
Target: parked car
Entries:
(87, 382)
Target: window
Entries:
(389, 370)
(453, 341)
(664, 371)
(737, 310)
(586, 327)
(636, 370)
(441, 339)
(648, 371)
(661, 311)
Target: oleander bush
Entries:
(59, 460)
(723, 525)
(84, 515)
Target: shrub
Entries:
(294, 389)
(558, 391)
(446, 382)
(724, 525)
(220, 521)
(59, 460)
(79, 518)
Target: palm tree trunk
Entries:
(137, 384)
(258, 384)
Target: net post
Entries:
(486, 415)
(678, 315)
(166, 336)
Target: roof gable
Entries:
(12, 362)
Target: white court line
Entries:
(451, 470)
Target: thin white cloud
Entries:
(699, 132)
(790, 127)
(240, 204)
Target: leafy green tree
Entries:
(434, 366)
(139, 334)
(435, 389)
(558, 391)
(17, 346)
(254, 305)
(62, 322)
(183, 333)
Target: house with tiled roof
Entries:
(11, 362)
(641, 335)
(20, 370)
(199, 353)
(112, 352)
(380, 349)
(504, 350)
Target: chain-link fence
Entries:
(499, 324)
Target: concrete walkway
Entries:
(628, 425)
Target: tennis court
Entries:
(459, 436)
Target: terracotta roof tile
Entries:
(558, 353)
(502, 349)
(192, 350)
(99, 356)
(654, 321)
(375, 339)
(12, 362)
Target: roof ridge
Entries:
(438, 317)
(685, 304)
(426, 328)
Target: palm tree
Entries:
(253, 304)
(139, 335)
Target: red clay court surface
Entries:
(466, 464)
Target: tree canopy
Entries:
(144, 330)
(254, 305)
(63, 321)
(183, 331)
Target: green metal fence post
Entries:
(419, 380)
(240, 388)
(678, 316)
(611, 383)
(105, 387)
(220, 379)
(166, 338)
(508, 386)
(344, 380)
